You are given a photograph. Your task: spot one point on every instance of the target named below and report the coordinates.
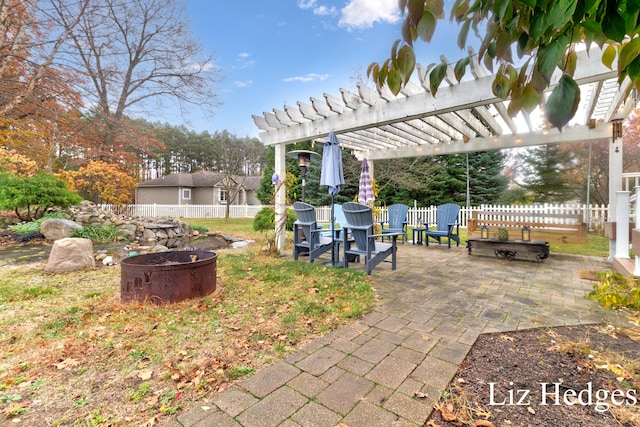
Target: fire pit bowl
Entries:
(168, 277)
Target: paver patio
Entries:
(430, 312)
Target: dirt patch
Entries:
(546, 377)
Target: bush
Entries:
(265, 219)
(616, 291)
(105, 233)
(31, 227)
(199, 228)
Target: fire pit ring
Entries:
(168, 277)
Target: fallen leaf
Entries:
(507, 338)
(484, 423)
(67, 363)
(420, 394)
(145, 374)
(531, 410)
(432, 423)
(426, 337)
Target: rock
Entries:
(56, 228)
(70, 254)
(239, 245)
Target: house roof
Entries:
(199, 179)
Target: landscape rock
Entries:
(70, 254)
(56, 228)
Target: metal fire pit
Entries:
(168, 277)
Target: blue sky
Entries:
(276, 52)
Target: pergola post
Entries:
(615, 187)
(280, 197)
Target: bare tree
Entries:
(137, 56)
(31, 38)
(236, 159)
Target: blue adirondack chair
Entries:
(447, 225)
(314, 243)
(359, 240)
(397, 221)
(339, 223)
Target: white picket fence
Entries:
(594, 215)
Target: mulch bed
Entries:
(500, 383)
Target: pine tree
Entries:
(544, 170)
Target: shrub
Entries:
(25, 228)
(104, 233)
(265, 219)
(616, 291)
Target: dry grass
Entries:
(72, 355)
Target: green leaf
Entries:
(407, 34)
(530, 98)
(500, 8)
(463, 34)
(608, 55)
(530, 3)
(628, 54)
(613, 26)
(538, 26)
(501, 86)
(460, 68)
(406, 63)
(427, 26)
(436, 76)
(394, 81)
(549, 56)
(523, 40)
(563, 102)
(503, 46)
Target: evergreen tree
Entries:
(544, 169)
(486, 181)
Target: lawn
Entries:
(72, 355)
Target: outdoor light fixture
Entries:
(526, 233)
(304, 158)
(484, 232)
(616, 129)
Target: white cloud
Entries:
(318, 9)
(306, 79)
(244, 61)
(238, 83)
(365, 13)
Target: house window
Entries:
(186, 194)
(222, 196)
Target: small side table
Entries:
(419, 231)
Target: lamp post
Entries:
(304, 158)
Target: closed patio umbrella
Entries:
(365, 190)
(331, 175)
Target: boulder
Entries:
(56, 228)
(70, 254)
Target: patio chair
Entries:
(339, 223)
(314, 244)
(397, 221)
(446, 225)
(359, 240)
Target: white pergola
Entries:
(461, 117)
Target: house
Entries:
(199, 188)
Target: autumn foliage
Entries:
(101, 182)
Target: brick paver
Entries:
(431, 310)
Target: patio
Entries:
(431, 310)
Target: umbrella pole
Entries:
(333, 243)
